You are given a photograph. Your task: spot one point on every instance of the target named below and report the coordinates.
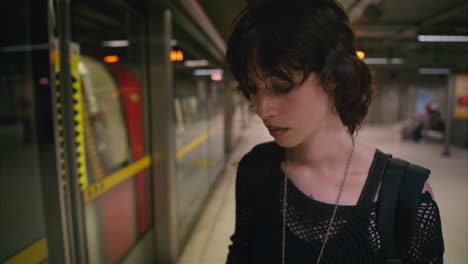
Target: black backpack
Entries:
(399, 199)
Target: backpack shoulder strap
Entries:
(398, 206)
(387, 208)
(410, 195)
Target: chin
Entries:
(286, 143)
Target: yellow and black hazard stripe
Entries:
(80, 154)
(60, 125)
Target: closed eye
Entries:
(284, 90)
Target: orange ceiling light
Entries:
(111, 59)
(361, 54)
(177, 55)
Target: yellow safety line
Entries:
(100, 187)
(197, 141)
(107, 183)
(36, 253)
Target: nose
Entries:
(265, 105)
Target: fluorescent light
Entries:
(196, 63)
(376, 60)
(24, 48)
(115, 43)
(207, 72)
(442, 38)
(397, 61)
(436, 71)
(382, 61)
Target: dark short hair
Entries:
(277, 37)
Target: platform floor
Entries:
(210, 239)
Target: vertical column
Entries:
(162, 133)
(43, 21)
(64, 79)
(449, 115)
(228, 114)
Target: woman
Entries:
(311, 195)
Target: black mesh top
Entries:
(354, 238)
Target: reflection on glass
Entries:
(198, 118)
(105, 113)
(112, 70)
(22, 216)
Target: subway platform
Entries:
(210, 239)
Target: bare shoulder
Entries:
(427, 188)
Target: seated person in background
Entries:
(434, 120)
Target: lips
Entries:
(276, 131)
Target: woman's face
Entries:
(292, 114)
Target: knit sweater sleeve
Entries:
(427, 244)
(239, 250)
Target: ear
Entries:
(332, 84)
(329, 87)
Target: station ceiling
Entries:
(387, 28)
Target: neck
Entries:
(326, 149)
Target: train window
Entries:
(108, 39)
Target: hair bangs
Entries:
(260, 48)
(264, 56)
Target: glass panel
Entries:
(109, 36)
(198, 119)
(22, 221)
(216, 121)
(238, 117)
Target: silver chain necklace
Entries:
(332, 219)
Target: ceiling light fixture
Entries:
(176, 55)
(216, 77)
(195, 63)
(115, 43)
(396, 60)
(434, 71)
(111, 59)
(360, 54)
(207, 72)
(442, 38)
(383, 61)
